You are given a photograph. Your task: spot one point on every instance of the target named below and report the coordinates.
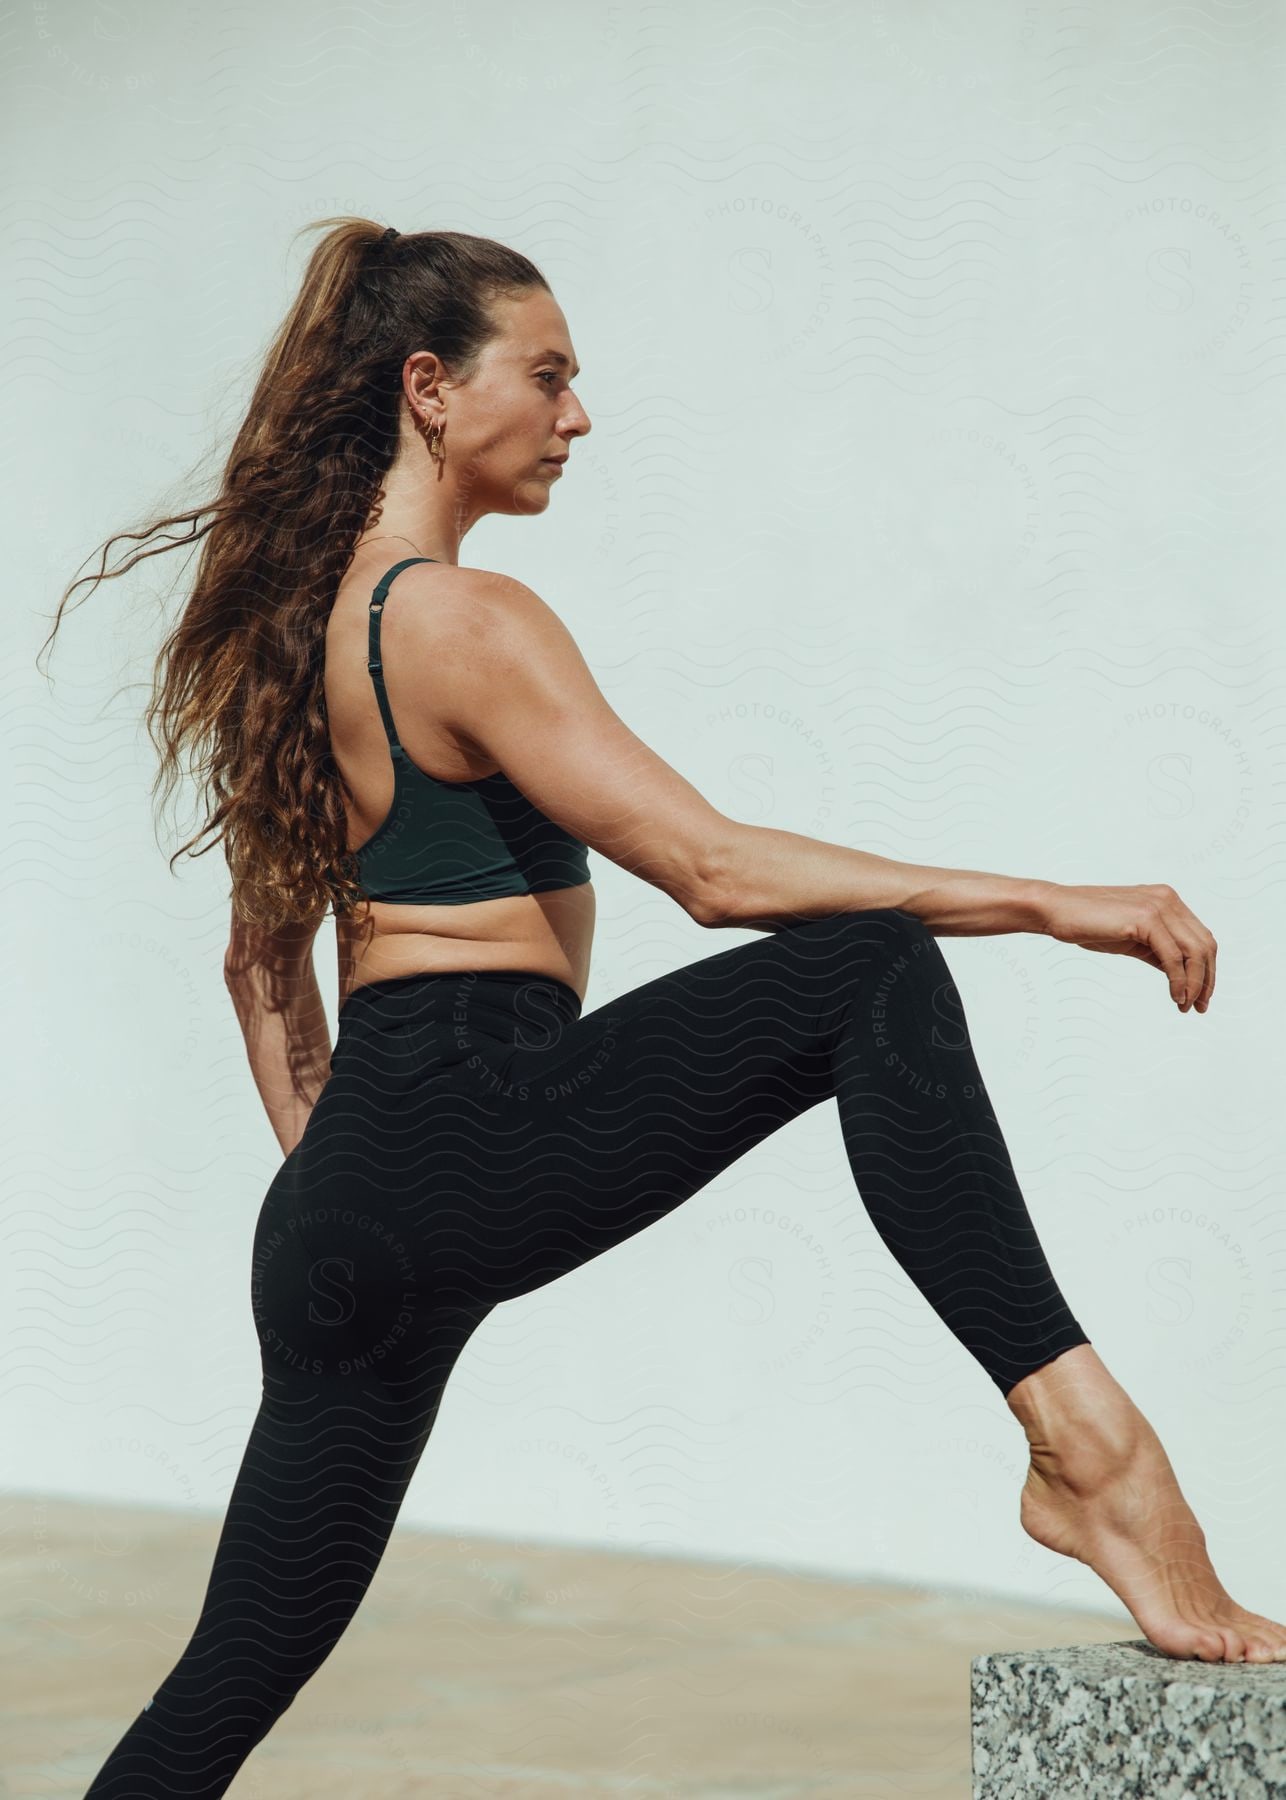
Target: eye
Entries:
(551, 372)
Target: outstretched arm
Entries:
(768, 878)
(515, 685)
(273, 985)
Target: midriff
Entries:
(537, 934)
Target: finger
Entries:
(1163, 942)
(1190, 934)
(1193, 940)
(1207, 987)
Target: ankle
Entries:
(1078, 1380)
(1076, 1399)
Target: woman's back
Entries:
(455, 840)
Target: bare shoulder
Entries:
(501, 599)
(488, 615)
(510, 684)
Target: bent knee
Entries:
(874, 924)
(844, 948)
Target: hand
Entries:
(1150, 922)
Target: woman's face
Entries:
(514, 412)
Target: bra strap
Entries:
(373, 663)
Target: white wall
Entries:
(932, 508)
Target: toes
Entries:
(1262, 1637)
(1207, 1646)
(1234, 1643)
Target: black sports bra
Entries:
(443, 843)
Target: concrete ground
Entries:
(478, 1669)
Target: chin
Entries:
(530, 496)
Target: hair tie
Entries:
(388, 237)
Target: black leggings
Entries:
(478, 1138)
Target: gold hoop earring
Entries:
(433, 435)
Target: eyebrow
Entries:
(558, 357)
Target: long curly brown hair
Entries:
(239, 680)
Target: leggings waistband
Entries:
(475, 992)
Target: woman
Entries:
(420, 746)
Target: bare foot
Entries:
(1101, 1488)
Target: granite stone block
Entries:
(1106, 1721)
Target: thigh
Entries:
(598, 1127)
(351, 1284)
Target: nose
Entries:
(575, 421)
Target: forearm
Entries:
(288, 1042)
(767, 878)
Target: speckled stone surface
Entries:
(1106, 1721)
